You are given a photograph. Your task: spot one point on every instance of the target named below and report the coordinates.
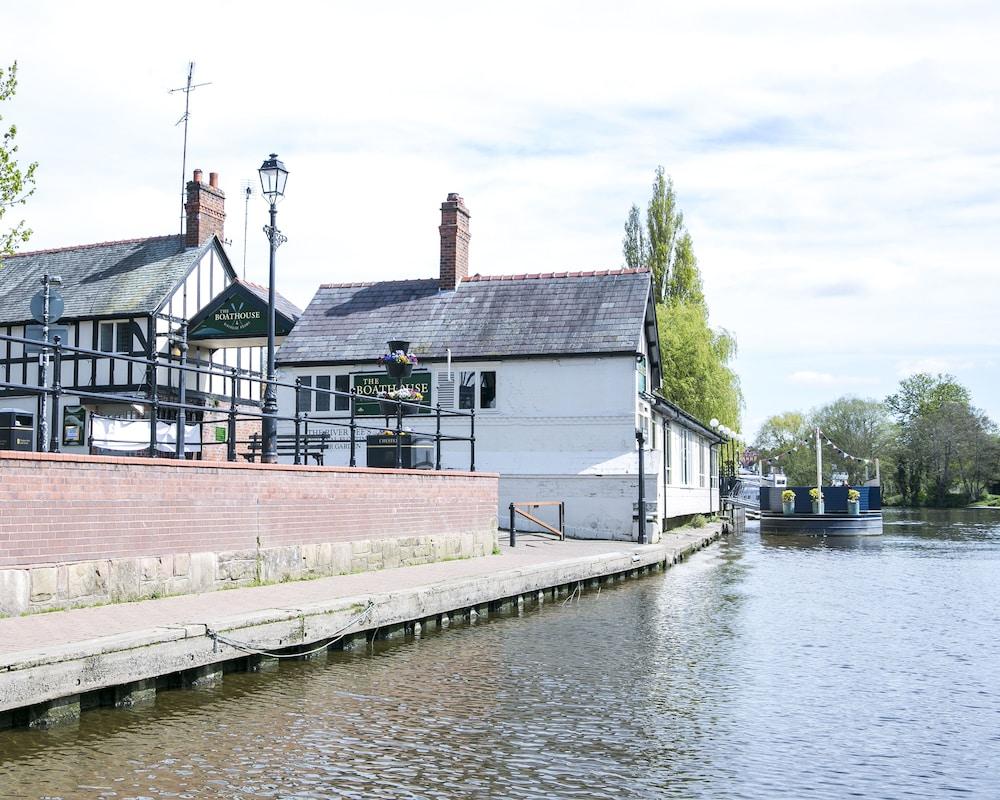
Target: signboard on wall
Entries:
(74, 425)
(236, 313)
(369, 386)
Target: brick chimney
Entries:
(454, 242)
(206, 210)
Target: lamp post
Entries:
(273, 176)
(49, 283)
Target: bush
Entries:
(698, 521)
(788, 496)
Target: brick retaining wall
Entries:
(77, 529)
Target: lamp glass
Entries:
(273, 176)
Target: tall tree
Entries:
(16, 186)
(634, 245)
(696, 358)
(860, 427)
(664, 221)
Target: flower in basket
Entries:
(397, 357)
(816, 494)
(853, 495)
(788, 496)
(405, 393)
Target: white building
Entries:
(558, 367)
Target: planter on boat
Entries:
(854, 508)
(788, 508)
(817, 507)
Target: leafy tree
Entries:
(16, 186)
(634, 245)
(786, 435)
(695, 358)
(861, 427)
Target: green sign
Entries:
(234, 314)
(368, 386)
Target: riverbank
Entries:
(54, 665)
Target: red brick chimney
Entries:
(454, 242)
(206, 210)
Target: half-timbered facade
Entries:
(163, 296)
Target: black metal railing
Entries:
(350, 428)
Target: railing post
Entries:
(472, 441)
(399, 434)
(154, 400)
(231, 424)
(56, 393)
(298, 420)
(562, 520)
(182, 410)
(437, 439)
(353, 462)
(513, 530)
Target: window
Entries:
(640, 372)
(488, 389)
(115, 337)
(486, 380)
(342, 383)
(304, 397)
(702, 464)
(714, 466)
(667, 461)
(686, 457)
(322, 399)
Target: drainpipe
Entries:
(642, 486)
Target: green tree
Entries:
(664, 222)
(695, 358)
(634, 245)
(861, 427)
(16, 186)
(785, 437)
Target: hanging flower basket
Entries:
(406, 394)
(398, 363)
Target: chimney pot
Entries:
(197, 176)
(213, 180)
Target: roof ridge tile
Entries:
(90, 246)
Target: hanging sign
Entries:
(367, 387)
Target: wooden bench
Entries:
(311, 445)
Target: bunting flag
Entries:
(809, 443)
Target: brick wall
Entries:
(64, 508)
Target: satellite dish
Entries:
(56, 306)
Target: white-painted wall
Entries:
(562, 429)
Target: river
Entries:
(760, 668)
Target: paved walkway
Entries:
(36, 631)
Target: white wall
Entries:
(562, 429)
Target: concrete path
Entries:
(37, 631)
(60, 656)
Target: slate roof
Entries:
(281, 304)
(131, 277)
(510, 315)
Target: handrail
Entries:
(515, 510)
(239, 407)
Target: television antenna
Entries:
(248, 192)
(187, 89)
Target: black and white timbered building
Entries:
(158, 295)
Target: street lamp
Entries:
(273, 176)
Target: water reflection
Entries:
(764, 667)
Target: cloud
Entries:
(933, 365)
(810, 378)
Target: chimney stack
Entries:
(454, 242)
(206, 210)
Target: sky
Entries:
(837, 163)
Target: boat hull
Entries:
(868, 523)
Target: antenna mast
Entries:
(187, 106)
(247, 194)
